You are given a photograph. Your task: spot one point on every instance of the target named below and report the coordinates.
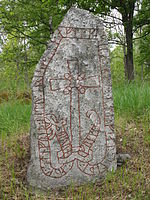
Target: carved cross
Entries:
(74, 84)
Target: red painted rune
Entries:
(73, 83)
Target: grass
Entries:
(132, 124)
(131, 181)
(132, 98)
(14, 117)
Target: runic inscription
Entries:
(81, 151)
(50, 127)
(72, 133)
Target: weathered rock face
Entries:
(72, 123)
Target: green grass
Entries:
(132, 127)
(14, 117)
(132, 99)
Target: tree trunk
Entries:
(26, 67)
(127, 18)
(125, 60)
(129, 56)
(142, 72)
(141, 64)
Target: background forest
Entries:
(25, 30)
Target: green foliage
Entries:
(30, 19)
(17, 61)
(143, 16)
(25, 25)
(145, 51)
(117, 66)
(142, 25)
(26, 29)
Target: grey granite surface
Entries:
(72, 122)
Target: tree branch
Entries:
(137, 38)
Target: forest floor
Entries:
(130, 181)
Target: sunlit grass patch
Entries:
(14, 117)
(132, 99)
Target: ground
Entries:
(130, 181)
